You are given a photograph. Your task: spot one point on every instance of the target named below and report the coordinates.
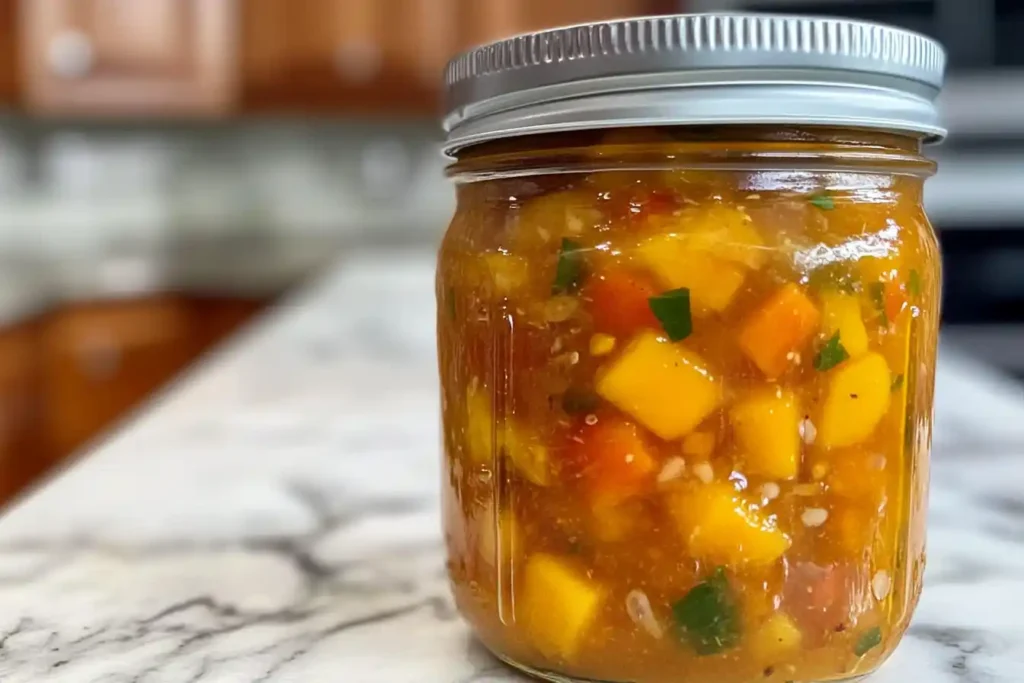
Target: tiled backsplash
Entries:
(65, 186)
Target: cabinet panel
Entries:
(22, 457)
(102, 360)
(496, 19)
(347, 55)
(140, 57)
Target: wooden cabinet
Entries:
(219, 317)
(9, 77)
(22, 456)
(360, 56)
(100, 360)
(484, 21)
(134, 57)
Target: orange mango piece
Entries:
(615, 462)
(782, 326)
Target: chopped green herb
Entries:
(868, 640)
(707, 616)
(577, 400)
(897, 383)
(672, 309)
(877, 292)
(823, 202)
(831, 354)
(569, 272)
(914, 283)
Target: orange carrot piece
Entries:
(895, 300)
(780, 327)
(615, 463)
(619, 301)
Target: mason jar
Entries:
(687, 322)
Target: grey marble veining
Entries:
(275, 518)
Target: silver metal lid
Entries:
(696, 69)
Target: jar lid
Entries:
(696, 69)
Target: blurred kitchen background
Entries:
(170, 168)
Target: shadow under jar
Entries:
(687, 352)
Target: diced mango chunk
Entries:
(718, 230)
(712, 281)
(720, 525)
(547, 219)
(528, 455)
(666, 387)
(479, 424)
(766, 424)
(777, 637)
(842, 314)
(557, 606)
(858, 396)
(777, 331)
(508, 274)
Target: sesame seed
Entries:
(703, 471)
(630, 457)
(591, 419)
(673, 469)
(814, 516)
(770, 490)
(880, 585)
(808, 432)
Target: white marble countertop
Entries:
(274, 517)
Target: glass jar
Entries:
(687, 364)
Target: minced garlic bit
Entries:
(673, 469)
(574, 358)
(880, 585)
(770, 490)
(703, 471)
(601, 344)
(638, 607)
(808, 432)
(819, 470)
(591, 419)
(814, 516)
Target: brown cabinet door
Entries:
(22, 458)
(496, 19)
(129, 57)
(361, 56)
(101, 360)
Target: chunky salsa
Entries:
(687, 407)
